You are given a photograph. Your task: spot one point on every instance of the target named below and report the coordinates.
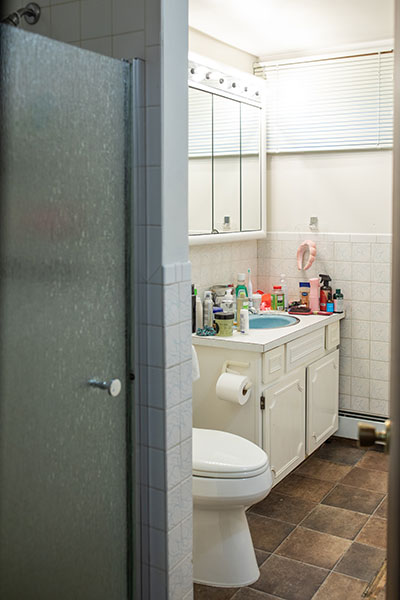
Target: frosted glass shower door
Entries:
(63, 321)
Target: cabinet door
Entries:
(284, 424)
(322, 400)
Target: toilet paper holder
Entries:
(226, 368)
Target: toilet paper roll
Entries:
(231, 387)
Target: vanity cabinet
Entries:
(284, 424)
(294, 402)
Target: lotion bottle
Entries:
(199, 313)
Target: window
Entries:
(339, 103)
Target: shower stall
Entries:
(66, 505)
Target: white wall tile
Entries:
(381, 273)
(360, 330)
(381, 312)
(95, 18)
(342, 251)
(360, 271)
(65, 22)
(129, 46)
(379, 370)
(379, 390)
(379, 407)
(360, 387)
(380, 332)
(128, 15)
(381, 253)
(360, 348)
(101, 45)
(173, 384)
(360, 252)
(359, 404)
(360, 367)
(380, 351)
(344, 384)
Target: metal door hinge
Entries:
(262, 403)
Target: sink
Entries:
(272, 321)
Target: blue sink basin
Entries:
(271, 321)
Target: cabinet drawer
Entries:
(305, 349)
(273, 365)
(332, 335)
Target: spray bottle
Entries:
(325, 294)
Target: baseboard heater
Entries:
(348, 423)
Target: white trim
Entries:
(348, 426)
(222, 238)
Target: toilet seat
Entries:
(223, 455)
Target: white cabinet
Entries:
(284, 424)
(322, 400)
(293, 407)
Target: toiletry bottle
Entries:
(241, 286)
(208, 310)
(338, 301)
(277, 298)
(227, 301)
(305, 293)
(194, 292)
(325, 292)
(314, 294)
(285, 290)
(250, 288)
(199, 313)
(240, 300)
(244, 326)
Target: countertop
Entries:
(261, 340)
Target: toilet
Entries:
(230, 474)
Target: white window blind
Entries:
(330, 104)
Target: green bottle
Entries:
(241, 286)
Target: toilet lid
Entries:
(222, 454)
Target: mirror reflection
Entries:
(224, 163)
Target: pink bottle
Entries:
(314, 294)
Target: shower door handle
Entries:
(113, 386)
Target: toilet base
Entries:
(223, 552)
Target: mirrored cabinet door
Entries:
(226, 152)
(200, 162)
(251, 167)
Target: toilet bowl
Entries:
(229, 475)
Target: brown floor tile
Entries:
(261, 556)
(340, 587)
(382, 510)
(377, 461)
(361, 562)
(323, 469)
(375, 481)
(374, 533)
(250, 594)
(283, 508)
(336, 521)
(304, 488)
(340, 451)
(315, 548)
(206, 592)
(289, 579)
(353, 498)
(267, 533)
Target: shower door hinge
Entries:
(262, 403)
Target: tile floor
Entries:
(321, 532)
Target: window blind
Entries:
(330, 104)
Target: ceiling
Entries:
(268, 28)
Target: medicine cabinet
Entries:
(226, 160)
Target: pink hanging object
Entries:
(312, 249)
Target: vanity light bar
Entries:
(201, 74)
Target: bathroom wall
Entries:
(223, 53)
(359, 264)
(220, 263)
(156, 31)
